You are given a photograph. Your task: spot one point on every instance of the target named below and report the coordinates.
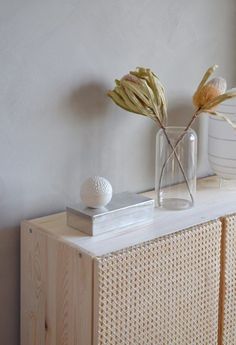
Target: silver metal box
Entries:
(124, 209)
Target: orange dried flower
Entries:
(207, 93)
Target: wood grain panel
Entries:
(33, 287)
(56, 291)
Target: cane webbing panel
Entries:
(162, 292)
(229, 317)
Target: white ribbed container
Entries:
(222, 142)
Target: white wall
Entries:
(57, 127)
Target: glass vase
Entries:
(176, 163)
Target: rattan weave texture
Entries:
(229, 317)
(162, 292)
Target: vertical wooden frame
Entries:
(33, 286)
(56, 291)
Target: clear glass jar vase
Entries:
(176, 165)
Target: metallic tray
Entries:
(124, 209)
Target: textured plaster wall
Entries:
(57, 59)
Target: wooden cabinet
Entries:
(145, 285)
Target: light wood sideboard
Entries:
(171, 281)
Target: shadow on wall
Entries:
(180, 113)
(85, 109)
(88, 99)
(99, 124)
(9, 285)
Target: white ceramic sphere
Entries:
(96, 192)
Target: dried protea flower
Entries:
(141, 92)
(207, 91)
(206, 94)
(210, 94)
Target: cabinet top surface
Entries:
(211, 203)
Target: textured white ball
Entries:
(96, 192)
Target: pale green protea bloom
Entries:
(141, 92)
